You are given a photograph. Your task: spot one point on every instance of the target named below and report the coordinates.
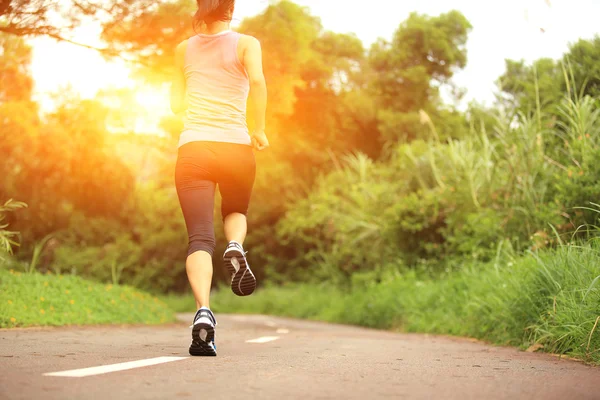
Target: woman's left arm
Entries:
(178, 95)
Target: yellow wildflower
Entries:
(10, 302)
(45, 283)
(13, 320)
(67, 292)
(42, 311)
(42, 299)
(51, 308)
(112, 301)
(72, 301)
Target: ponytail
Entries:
(210, 11)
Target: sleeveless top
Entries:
(217, 88)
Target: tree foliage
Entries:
(408, 71)
(149, 37)
(58, 19)
(546, 80)
(16, 83)
(56, 164)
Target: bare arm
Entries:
(178, 93)
(252, 61)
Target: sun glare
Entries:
(153, 100)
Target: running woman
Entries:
(216, 71)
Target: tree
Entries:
(56, 19)
(58, 164)
(18, 114)
(284, 26)
(61, 166)
(583, 59)
(408, 71)
(149, 37)
(546, 80)
(521, 85)
(16, 83)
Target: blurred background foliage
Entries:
(372, 172)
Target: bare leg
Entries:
(200, 271)
(235, 227)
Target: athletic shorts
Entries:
(200, 168)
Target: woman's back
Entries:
(217, 89)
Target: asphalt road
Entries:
(285, 359)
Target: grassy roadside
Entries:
(54, 300)
(551, 299)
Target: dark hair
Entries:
(210, 11)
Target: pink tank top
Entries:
(217, 89)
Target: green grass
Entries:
(53, 300)
(552, 298)
(181, 303)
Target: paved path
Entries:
(288, 359)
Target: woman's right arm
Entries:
(252, 61)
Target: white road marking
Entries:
(105, 369)
(283, 330)
(263, 339)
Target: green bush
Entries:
(339, 229)
(7, 238)
(440, 203)
(147, 250)
(576, 181)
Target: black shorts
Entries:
(201, 166)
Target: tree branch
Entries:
(4, 6)
(104, 51)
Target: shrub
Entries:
(433, 202)
(7, 238)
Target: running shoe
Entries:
(203, 333)
(243, 281)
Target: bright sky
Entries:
(501, 29)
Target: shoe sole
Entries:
(243, 282)
(204, 347)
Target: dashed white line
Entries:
(264, 339)
(105, 369)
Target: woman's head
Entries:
(210, 11)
